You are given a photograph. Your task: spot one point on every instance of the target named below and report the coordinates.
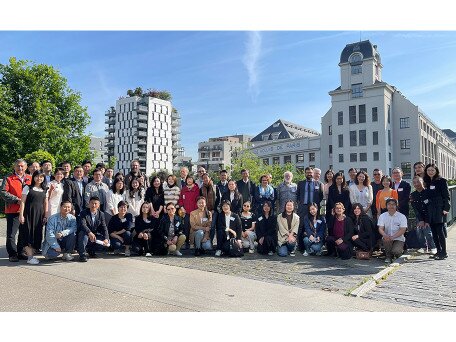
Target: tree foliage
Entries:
(246, 159)
(38, 111)
(158, 94)
(39, 156)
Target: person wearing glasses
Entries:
(248, 221)
(340, 233)
(199, 181)
(376, 185)
(171, 232)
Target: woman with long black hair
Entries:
(266, 230)
(438, 207)
(363, 237)
(314, 231)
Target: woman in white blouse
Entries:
(361, 192)
(115, 195)
(55, 193)
(134, 197)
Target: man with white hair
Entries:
(286, 191)
(183, 176)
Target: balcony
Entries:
(110, 129)
(111, 113)
(204, 148)
(175, 137)
(110, 137)
(141, 117)
(175, 123)
(175, 131)
(141, 159)
(217, 148)
(141, 126)
(109, 144)
(142, 109)
(111, 121)
(142, 142)
(141, 134)
(175, 115)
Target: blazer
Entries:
(236, 203)
(365, 229)
(334, 196)
(235, 224)
(98, 227)
(317, 192)
(165, 222)
(418, 201)
(69, 191)
(79, 199)
(266, 227)
(115, 223)
(318, 230)
(247, 190)
(283, 232)
(403, 197)
(348, 229)
(439, 200)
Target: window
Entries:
(404, 122)
(330, 130)
(311, 157)
(374, 114)
(265, 137)
(287, 159)
(341, 158)
(341, 140)
(266, 161)
(352, 114)
(276, 160)
(330, 150)
(389, 137)
(357, 90)
(353, 157)
(389, 114)
(405, 144)
(389, 159)
(362, 113)
(376, 156)
(353, 138)
(275, 135)
(356, 69)
(300, 158)
(340, 118)
(362, 137)
(375, 138)
(407, 169)
(363, 156)
(356, 57)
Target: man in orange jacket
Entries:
(11, 193)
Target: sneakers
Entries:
(127, 253)
(293, 253)
(305, 253)
(33, 261)
(388, 261)
(13, 258)
(251, 251)
(82, 258)
(271, 253)
(421, 250)
(177, 253)
(218, 253)
(148, 255)
(318, 254)
(197, 252)
(67, 257)
(433, 250)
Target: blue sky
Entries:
(234, 82)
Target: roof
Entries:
(282, 129)
(365, 48)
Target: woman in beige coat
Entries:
(288, 224)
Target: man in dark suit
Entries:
(246, 187)
(93, 233)
(183, 176)
(69, 188)
(309, 191)
(79, 184)
(403, 189)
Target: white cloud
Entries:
(251, 59)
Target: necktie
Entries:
(308, 193)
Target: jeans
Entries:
(425, 237)
(215, 214)
(85, 244)
(312, 247)
(117, 244)
(199, 235)
(66, 243)
(286, 248)
(12, 229)
(250, 241)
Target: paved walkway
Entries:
(422, 282)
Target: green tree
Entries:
(39, 111)
(39, 156)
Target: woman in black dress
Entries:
(33, 215)
(438, 207)
(363, 237)
(338, 193)
(156, 197)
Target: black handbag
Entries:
(236, 249)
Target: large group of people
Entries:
(76, 209)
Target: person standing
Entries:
(183, 176)
(376, 185)
(403, 189)
(60, 233)
(234, 197)
(33, 167)
(199, 181)
(362, 193)
(156, 197)
(246, 187)
(392, 226)
(87, 166)
(69, 188)
(11, 193)
(263, 192)
(352, 176)
(171, 190)
(329, 175)
(33, 216)
(438, 208)
(338, 193)
(115, 195)
(79, 185)
(134, 198)
(287, 190)
(55, 193)
(384, 194)
(107, 177)
(210, 192)
(97, 188)
(222, 185)
(419, 167)
(135, 172)
(46, 167)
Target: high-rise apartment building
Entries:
(143, 128)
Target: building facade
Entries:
(217, 153)
(371, 124)
(146, 129)
(98, 148)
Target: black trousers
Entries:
(12, 230)
(344, 250)
(438, 234)
(141, 246)
(269, 245)
(364, 245)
